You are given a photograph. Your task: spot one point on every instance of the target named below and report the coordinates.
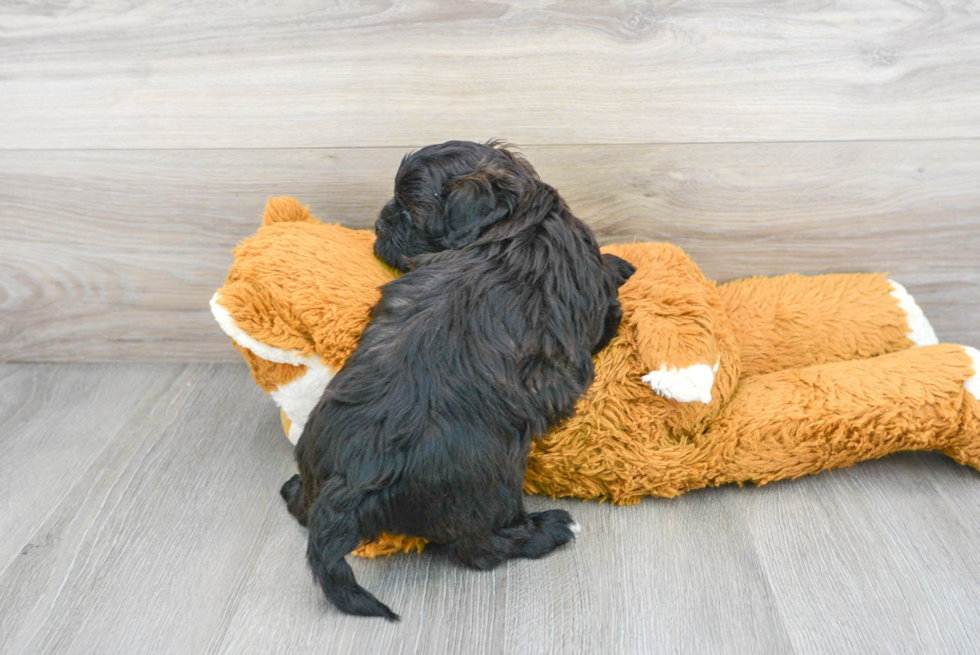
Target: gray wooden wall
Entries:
(138, 142)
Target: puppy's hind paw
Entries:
(292, 487)
(292, 493)
(548, 531)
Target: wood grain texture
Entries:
(658, 577)
(55, 421)
(878, 558)
(174, 540)
(145, 554)
(113, 255)
(354, 74)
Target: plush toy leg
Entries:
(791, 423)
(791, 321)
(966, 450)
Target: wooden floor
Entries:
(141, 515)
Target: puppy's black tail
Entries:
(332, 536)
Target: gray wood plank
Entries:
(662, 576)
(113, 255)
(55, 420)
(873, 559)
(173, 74)
(958, 485)
(677, 575)
(149, 550)
(174, 539)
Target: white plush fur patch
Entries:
(920, 331)
(686, 385)
(297, 398)
(245, 340)
(973, 384)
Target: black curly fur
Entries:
(484, 344)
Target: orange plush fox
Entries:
(755, 380)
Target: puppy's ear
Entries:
(472, 203)
(620, 268)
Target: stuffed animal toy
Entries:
(754, 380)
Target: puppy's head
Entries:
(446, 196)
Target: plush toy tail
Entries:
(332, 536)
(284, 209)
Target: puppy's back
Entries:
(469, 355)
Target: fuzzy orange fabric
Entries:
(276, 295)
(793, 374)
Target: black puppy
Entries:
(485, 343)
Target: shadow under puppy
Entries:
(484, 344)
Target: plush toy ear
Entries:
(472, 203)
(284, 209)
